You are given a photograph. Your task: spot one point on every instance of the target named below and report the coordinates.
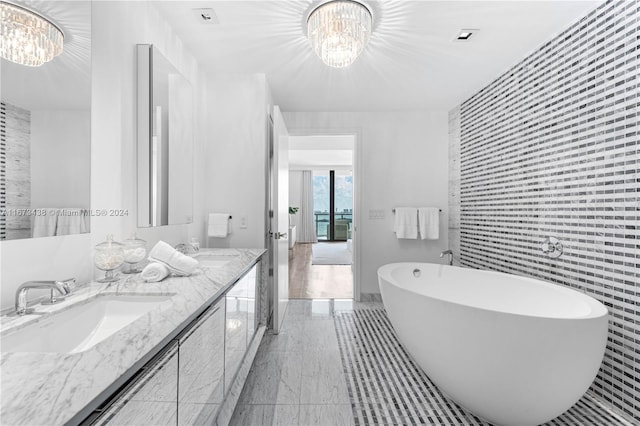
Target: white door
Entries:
(279, 176)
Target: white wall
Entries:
(295, 194)
(117, 28)
(60, 158)
(114, 115)
(401, 160)
(235, 157)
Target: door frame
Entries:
(358, 186)
(268, 241)
(274, 239)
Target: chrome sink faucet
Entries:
(450, 253)
(59, 290)
(187, 248)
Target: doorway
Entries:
(321, 261)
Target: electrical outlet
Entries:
(243, 222)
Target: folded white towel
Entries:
(406, 223)
(154, 272)
(178, 263)
(429, 223)
(218, 225)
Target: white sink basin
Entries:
(210, 260)
(81, 326)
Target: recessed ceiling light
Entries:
(206, 16)
(465, 35)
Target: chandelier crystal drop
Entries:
(26, 37)
(339, 30)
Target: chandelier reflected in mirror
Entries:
(26, 37)
(339, 30)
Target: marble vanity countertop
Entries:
(48, 388)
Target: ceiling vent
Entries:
(206, 16)
(465, 35)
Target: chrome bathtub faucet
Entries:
(450, 253)
(59, 290)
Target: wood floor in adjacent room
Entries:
(307, 281)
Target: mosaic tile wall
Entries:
(551, 148)
(15, 170)
(3, 172)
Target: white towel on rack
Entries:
(45, 225)
(429, 223)
(72, 221)
(406, 223)
(218, 225)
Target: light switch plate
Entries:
(376, 214)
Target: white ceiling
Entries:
(411, 62)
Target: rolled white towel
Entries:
(177, 262)
(154, 272)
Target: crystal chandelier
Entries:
(26, 37)
(339, 30)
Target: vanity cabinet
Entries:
(185, 386)
(152, 398)
(241, 323)
(187, 381)
(201, 368)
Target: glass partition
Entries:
(333, 204)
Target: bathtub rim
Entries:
(597, 308)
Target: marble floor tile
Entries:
(328, 414)
(320, 335)
(275, 378)
(316, 309)
(290, 339)
(307, 346)
(323, 379)
(266, 415)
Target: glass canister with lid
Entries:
(109, 255)
(135, 251)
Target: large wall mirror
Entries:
(45, 115)
(165, 141)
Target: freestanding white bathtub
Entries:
(514, 351)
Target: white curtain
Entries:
(307, 231)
